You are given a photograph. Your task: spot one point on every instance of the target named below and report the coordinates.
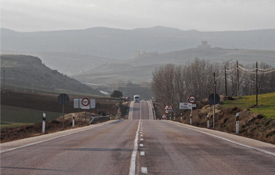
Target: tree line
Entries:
(173, 84)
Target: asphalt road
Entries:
(140, 145)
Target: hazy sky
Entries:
(202, 15)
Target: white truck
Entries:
(136, 98)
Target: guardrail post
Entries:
(207, 121)
(237, 123)
(73, 121)
(43, 123)
(181, 119)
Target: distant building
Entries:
(204, 45)
(144, 53)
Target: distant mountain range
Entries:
(122, 44)
(105, 55)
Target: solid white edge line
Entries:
(131, 111)
(134, 153)
(23, 146)
(140, 111)
(240, 144)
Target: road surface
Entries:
(139, 145)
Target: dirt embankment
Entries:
(251, 125)
(10, 134)
(49, 103)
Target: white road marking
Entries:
(142, 153)
(134, 154)
(131, 111)
(42, 141)
(141, 139)
(141, 145)
(144, 170)
(240, 144)
(140, 111)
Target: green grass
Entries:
(13, 124)
(266, 104)
(15, 116)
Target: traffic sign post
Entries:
(213, 100)
(85, 103)
(63, 99)
(168, 109)
(192, 100)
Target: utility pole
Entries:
(237, 79)
(256, 83)
(225, 81)
(214, 100)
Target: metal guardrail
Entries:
(95, 120)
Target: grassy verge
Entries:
(13, 124)
(266, 104)
(16, 116)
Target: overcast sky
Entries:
(202, 15)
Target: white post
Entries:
(43, 123)
(73, 121)
(207, 121)
(191, 116)
(181, 119)
(237, 123)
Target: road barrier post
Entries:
(191, 119)
(237, 123)
(207, 121)
(43, 123)
(73, 121)
(181, 119)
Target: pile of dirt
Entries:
(10, 134)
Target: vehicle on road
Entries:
(136, 98)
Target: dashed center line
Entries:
(142, 153)
(141, 145)
(144, 170)
(141, 139)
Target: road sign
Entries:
(92, 103)
(85, 102)
(184, 106)
(63, 99)
(211, 99)
(82, 103)
(191, 99)
(166, 107)
(187, 105)
(76, 103)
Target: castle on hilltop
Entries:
(139, 53)
(204, 45)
